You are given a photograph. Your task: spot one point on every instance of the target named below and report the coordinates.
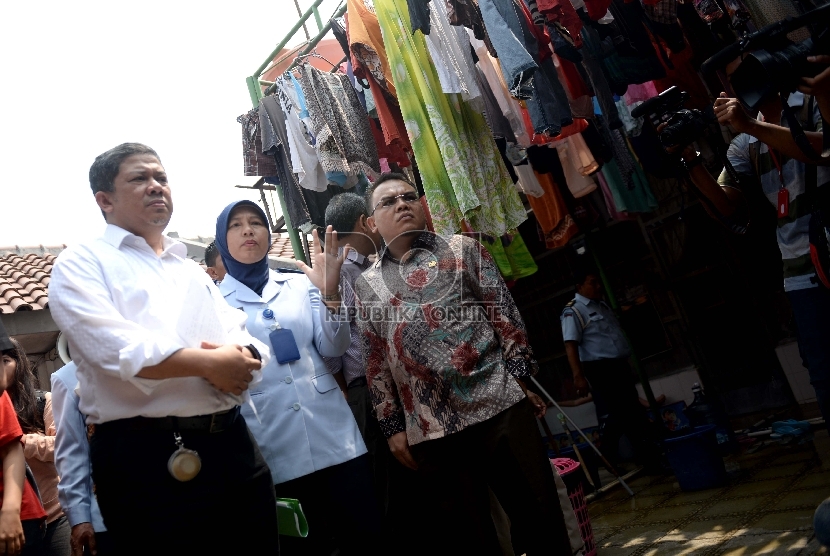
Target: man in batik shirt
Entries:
(446, 352)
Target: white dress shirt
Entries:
(123, 308)
(304, 421)
(72, 453)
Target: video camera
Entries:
(683, 126)
(773, 64)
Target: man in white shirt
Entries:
(162, 373)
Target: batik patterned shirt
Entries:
(443, 340)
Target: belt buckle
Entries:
(215, 425)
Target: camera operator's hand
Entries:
(819, 86)
(730, 111)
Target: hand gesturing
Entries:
(326, 271)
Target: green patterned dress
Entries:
(463, 175)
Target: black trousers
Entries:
(341, 510)
(506, 453)
(619, 410)
(228, 508)
(380, 458)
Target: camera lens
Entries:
(764, 73)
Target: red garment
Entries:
(10, 431)
(597, 8)
(393, 152)
(562, 12)
(578, 126)
(576, 85)
(391, 120)
(541, 34)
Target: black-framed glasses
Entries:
(387, 202)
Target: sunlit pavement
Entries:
(767, 508)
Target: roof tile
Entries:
(24, 277)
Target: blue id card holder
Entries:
(284, 345)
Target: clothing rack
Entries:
(256, 93)
(300, 245)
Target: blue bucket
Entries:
(696, 460)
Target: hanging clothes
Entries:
(579, 95)
(339, 33)
(558, 226)
(499, 124)
(292, 193)
(572, 163)
(366, 43)
(632, 126)
(450, 50)
(609, 200)
(528, 183)
(635, 196)
(640, 92)
(304, 161)
(592, 56)
(419, 15)
(509, 106)
(466, 13)
(509, 252)
(580, 155)
(391, 120)
(461, 169)
(549, 108)
(599, 148)
(340, 125)
(254, 162)
(505, 31)
(562, 12)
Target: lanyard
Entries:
(783, 205)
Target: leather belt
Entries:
(213, 423)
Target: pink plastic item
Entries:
(566, 466)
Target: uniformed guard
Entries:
(598, 354)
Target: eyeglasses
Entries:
(388, 202)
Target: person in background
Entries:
(163, 366)
(34, 413)
(302, 423)
(766, 155)
(75, 489)
(346, 214)
(215, 266)
(22, 517)
(446, 354)
(598, 352)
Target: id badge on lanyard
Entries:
(783, 205)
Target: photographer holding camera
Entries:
(766, 151)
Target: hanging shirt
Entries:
(593, 325)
